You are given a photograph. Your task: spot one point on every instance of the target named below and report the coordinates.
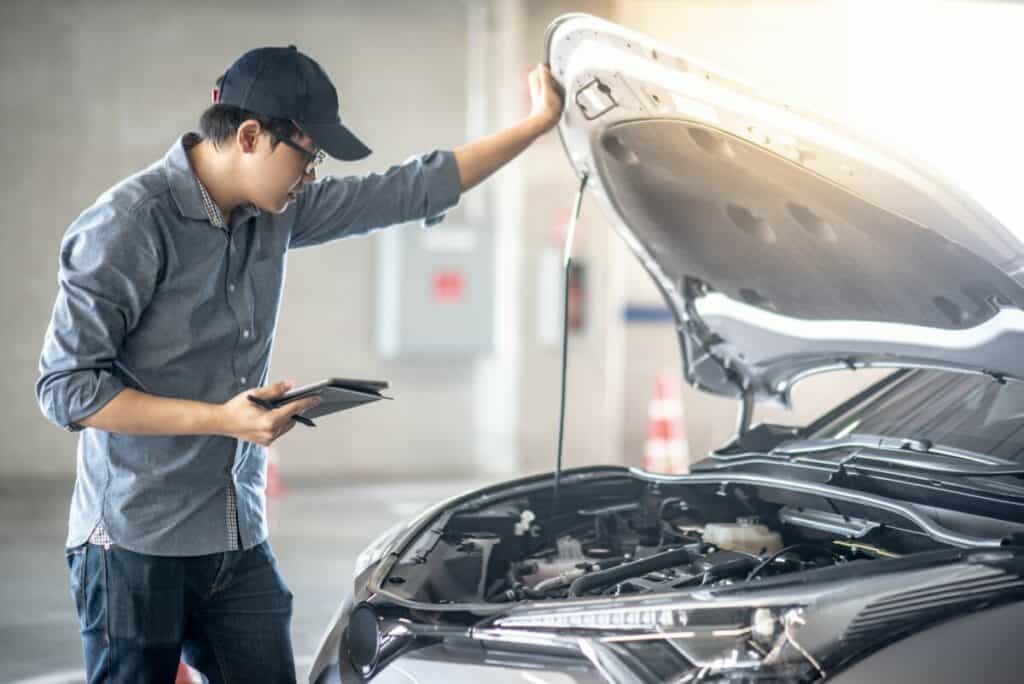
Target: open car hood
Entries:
(784, 245)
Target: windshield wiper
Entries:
(909, 454)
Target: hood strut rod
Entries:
(567, 259)
(746, 413)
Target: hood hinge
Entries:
(703, 337)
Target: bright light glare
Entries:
(940, 80)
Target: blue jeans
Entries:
(227, 613)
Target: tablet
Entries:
(337, 383)
(336, 394)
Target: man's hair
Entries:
(220, 122)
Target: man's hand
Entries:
(545, 99)
(242, 419)
(479, 159)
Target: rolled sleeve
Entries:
(107, 275)
(422, 188)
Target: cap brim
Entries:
(337, 141)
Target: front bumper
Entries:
(326, 665)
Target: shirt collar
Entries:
(182, 180)
(188, 191)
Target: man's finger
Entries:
(304, 404)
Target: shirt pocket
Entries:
(266, 278)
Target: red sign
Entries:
(448, 286)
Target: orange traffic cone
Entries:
(665, 450)
(187, 675)
(275, 483)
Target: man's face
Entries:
(277, 173)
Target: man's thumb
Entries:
(273, 390)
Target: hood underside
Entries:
(784, 245)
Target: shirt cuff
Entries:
(107, 387)
(445, 186)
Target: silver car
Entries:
(882, 542)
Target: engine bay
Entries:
(620, 536)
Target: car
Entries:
(884, 541)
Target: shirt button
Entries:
(245, 334)
(231, 287)
(241, 380)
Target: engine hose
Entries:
(812, 548)
(559, 581)
(518, 592)
(665, 559)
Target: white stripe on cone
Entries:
(665, 409)
(666, 450)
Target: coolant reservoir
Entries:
(748, 537)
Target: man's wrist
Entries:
(537, 125)
(210, 419)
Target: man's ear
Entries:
(247, 136)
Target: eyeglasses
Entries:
(313, 159)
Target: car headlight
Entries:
(374, 551)
(671, 643)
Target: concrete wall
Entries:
(92, 91)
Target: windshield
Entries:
(969, 412)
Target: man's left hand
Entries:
(545, 98)
(479, 159)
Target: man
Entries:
(163, 326)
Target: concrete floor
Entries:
(317, 530)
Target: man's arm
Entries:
(479, 159)
(136, 413)
(108, 272)
(108, 267)
(337, 207)
(423, 187)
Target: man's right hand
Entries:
(242, 419)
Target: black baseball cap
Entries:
(284, 83)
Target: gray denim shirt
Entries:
(152, 296)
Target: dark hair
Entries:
(220, 122)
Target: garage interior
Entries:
(94, 91)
